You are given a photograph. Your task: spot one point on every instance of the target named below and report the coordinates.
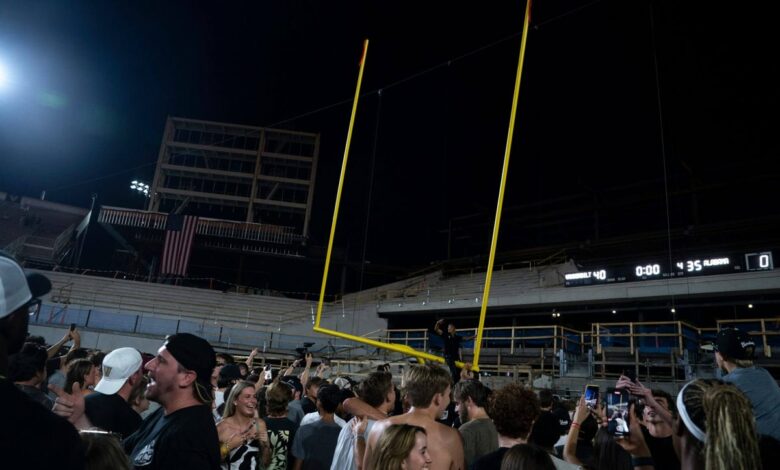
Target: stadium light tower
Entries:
(140, 186)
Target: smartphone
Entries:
(591, 395)
(617, 412)
(631, 374)
(72, 326)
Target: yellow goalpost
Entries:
(422, 355)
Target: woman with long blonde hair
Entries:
(243, 436)
(402, 446)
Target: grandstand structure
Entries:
(522, 341)
(235, 172)
(565, 313)
(40, 231)
(251, 189)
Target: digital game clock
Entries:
(655, 269)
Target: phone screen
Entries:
(591, 395)
(617, 412)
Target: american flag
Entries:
(179, 232)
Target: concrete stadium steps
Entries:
(470, 286)
(134, 296)
(227, 319)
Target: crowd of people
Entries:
(188, 406)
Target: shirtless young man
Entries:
(428, 391)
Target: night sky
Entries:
(91, 84)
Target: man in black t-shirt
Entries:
(310, 394)
(451, 347)
(181, 433)
(658, 433)
(108, 408)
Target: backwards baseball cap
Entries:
(118, 366)
(230, 372)
(343, 383)
(196, 354)
(294, 382)
(18, 288)
(735, 344)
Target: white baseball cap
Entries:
(342, 383)
(118, 366)
(18, 288)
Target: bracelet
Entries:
(574, 423)
(642, 461)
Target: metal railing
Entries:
(510, 339)
(633, 335)
(278, 234)
(62, 240)
(661, 349)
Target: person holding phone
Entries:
(591, 396)
(655, 408)
(607, 452)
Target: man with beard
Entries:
(182, 432)
(479, 433)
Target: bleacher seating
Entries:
(469, 286)
(225, 318)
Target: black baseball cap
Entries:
(293, 382)
(230, 372)
(196, 354)
(734, 343)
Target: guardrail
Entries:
(660, 349)
(277, 234)
(648, 336)
(512, 339)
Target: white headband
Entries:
(692, 427)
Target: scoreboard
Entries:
(652, 269)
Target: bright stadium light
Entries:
(140, 186)
(5, 77)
